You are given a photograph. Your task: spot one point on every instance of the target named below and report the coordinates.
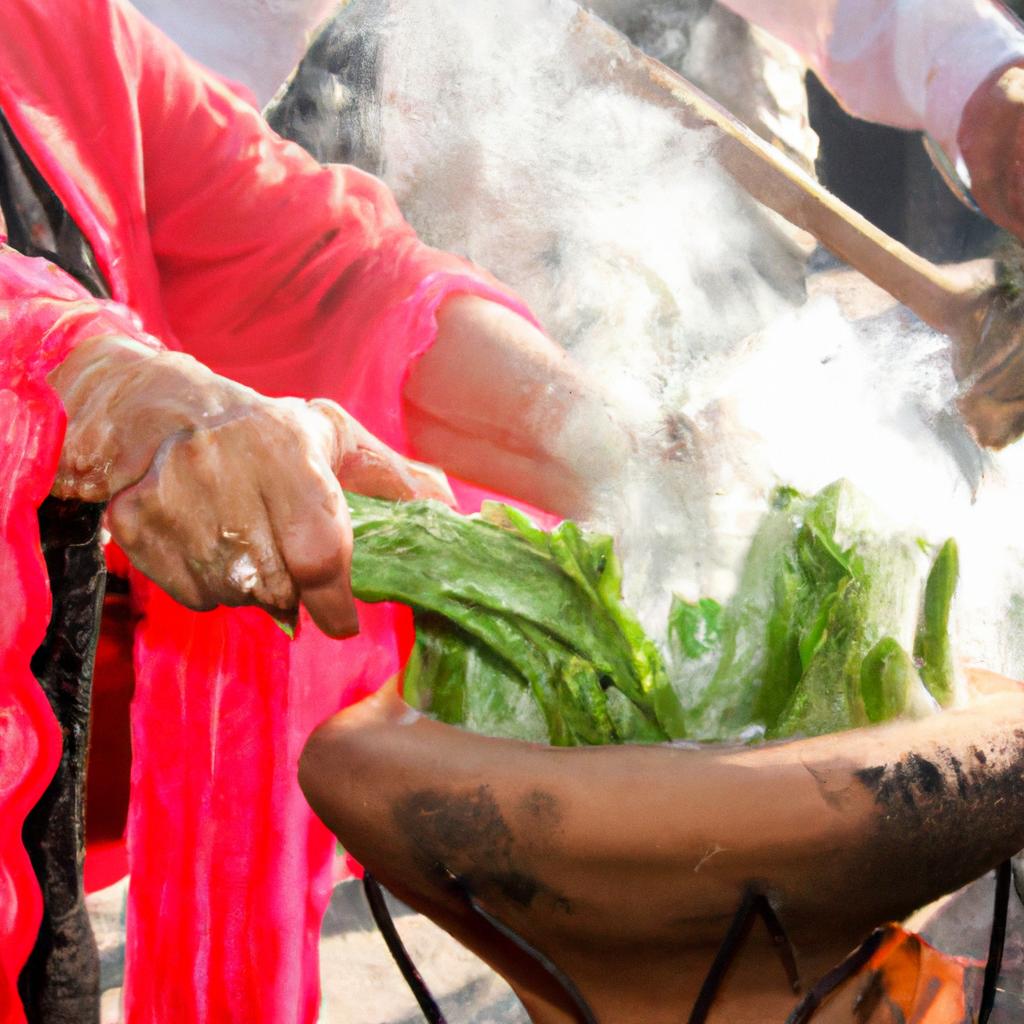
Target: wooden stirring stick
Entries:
(962, 301)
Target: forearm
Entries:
(496, 402)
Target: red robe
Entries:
(219, 239)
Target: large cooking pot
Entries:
(624, 866)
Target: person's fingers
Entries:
(310, 524)
(250, 511)
(154, 553)
(380, 473)
(201, 531)
(430, 482)
(318, 558)
(366, 465)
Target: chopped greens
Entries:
(502, 607)
(522, 632)
(816, 638)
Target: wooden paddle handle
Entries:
(948, 301)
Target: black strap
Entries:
(38, 224)
(60, 981)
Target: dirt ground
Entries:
(361, 985)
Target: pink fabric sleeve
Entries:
(44, 313)
(231, 871)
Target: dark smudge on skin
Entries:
(466, 835)
(922, 804)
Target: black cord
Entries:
(413, 978)
(739, 927)
(780, 939)
(847, 968)
(752, 905)
(996, 942)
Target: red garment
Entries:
(110, 748)
(234, 246)
(44, 312)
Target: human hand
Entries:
(217, 493)
(991, 140)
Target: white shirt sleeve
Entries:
(907, 63)
(255, 42)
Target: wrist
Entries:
(123, 398)
(93, 359)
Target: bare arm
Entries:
(264, 253)
(496, 402)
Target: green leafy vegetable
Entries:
(816, 637)
(932, 645)
(694, 628)
(503, 607)
(522, 632)
(886, 677)
(775, 623)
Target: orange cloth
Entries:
(906, 981)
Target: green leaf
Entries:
(522, 632)
(694, 627)
(932, 645)
(506, 611)
(819, 589)
(886, 676)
